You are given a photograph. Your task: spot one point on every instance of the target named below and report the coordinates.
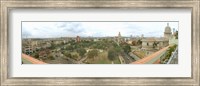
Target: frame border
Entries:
(6, 5)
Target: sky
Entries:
(94, 29)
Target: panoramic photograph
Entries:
(99, 42)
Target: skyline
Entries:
(94, 29)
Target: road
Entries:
(127, 58)
(134, 56)
(121, 59)
(174, 58)
(82, 59)
(28, 59)
(71, 60)
(151, 57)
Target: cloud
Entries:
(26, 33)
(133, 29)
(73, 27)
(95, 29)
(155, 33)
(61, 24)
(69, 28)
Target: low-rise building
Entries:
(154, 43)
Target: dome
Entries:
(167, 29)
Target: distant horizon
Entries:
(94, 29)
(90, 37)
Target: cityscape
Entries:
(99, 42)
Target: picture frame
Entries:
(7, 5)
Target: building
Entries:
(27, 50)
(152, 43)
(167, 33)
(44, 54)
(119, 37)
(78, 39)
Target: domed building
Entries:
(153, 43)
(167, 33)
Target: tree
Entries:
(62, 43)
(115, 45)
(139, 42)
(53, 46)
(126, 48)
(75, 56)
(36, 55)
(92, 54)
(154, 44)
(176, 35)
(81, 51)
(169, 51)
(51, 57)
(112, 54)
(134, 43)
(118, 49)
(69, 47)
(68, 54)
(94, 46)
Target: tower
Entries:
(167, 33)
(142, 36)
(119, 37)
(78, 39)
